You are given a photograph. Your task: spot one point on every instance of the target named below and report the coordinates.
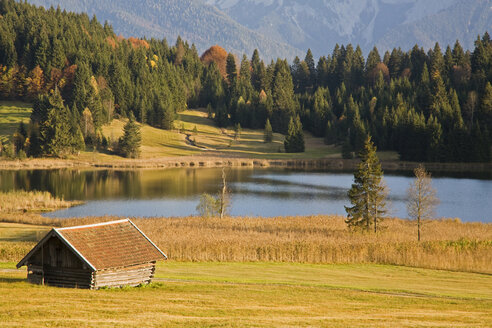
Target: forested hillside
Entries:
(76, 70)
(284, 29)
(193, 20)
(428, 105)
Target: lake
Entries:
(254, 192)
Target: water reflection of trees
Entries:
(110, 184)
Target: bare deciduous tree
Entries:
(223, 196)
(422, 198)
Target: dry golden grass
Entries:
(446, 244)
(17, 239)
(14, 251)
(321, 239)
(25, 201)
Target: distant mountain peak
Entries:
(286, 28)
(193, 20)
(320, 24)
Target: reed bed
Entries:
(446, 244)
(28, 201)
(14, 251)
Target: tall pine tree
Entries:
(368, 192)
(129, 143)
(294, 141)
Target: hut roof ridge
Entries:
(105, 245)
(93, 225)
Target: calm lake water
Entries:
(255, 192)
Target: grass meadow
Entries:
(210, 139)
(259, 295)
(11, 114)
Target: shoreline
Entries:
(214, 162)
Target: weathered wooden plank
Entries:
(119, 269)
(129, 277)
(108, 273)
(35, 279)
(123, 275)
(134, 282)
(82, 278)
(56, 269)
(66, 281)
(121, 279)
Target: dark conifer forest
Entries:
(428, 105)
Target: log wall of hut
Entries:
(128, 276)
(56, 265)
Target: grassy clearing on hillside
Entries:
(446, 244)
(209, 139)
(250, 143)
(11, 114)
(260, 295)
(155, 142)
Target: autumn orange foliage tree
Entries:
(218, 55)
(35, 82)
(136, 43)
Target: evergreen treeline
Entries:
(428, 106)
(52, 54)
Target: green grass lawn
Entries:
(259, 295)
(11, 114)
(357, 277)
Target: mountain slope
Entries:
(319, 24)
(193, 20)
(463, 21)
(286, 28)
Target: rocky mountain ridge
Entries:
(286, 28)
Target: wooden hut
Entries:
(109, 254)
